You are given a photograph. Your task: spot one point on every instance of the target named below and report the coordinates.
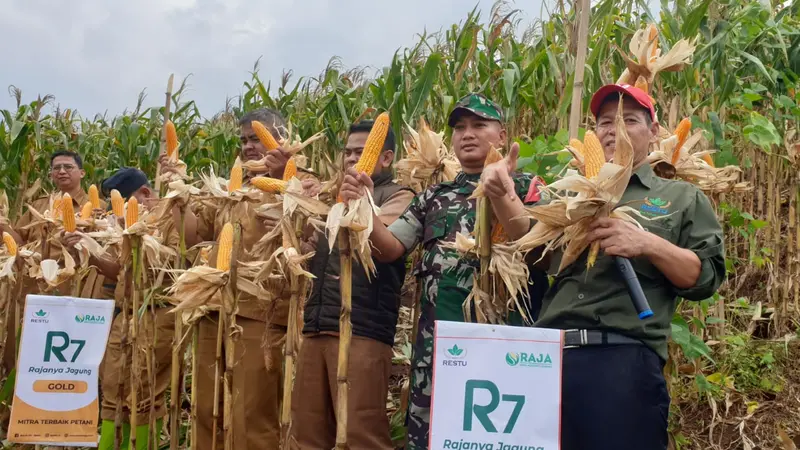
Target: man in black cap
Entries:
(132, 182)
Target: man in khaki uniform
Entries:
(116, 369)
(257, 375)
(66, 172)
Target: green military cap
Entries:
(478, 105)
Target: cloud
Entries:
(97, 55)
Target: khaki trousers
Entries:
(314, 396)
(111, 369)
(256, 387)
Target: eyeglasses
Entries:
(67, 168)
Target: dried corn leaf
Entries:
(428, 161)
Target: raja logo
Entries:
(91, 319)
(655, 206)
(40, 316)
(523, 359)
(454, 356)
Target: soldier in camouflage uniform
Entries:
(433, 218)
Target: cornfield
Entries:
(731, 376)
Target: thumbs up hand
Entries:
(496, 177)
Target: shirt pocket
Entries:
(662, 229)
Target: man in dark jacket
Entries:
(374, 317)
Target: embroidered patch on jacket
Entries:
(655, 206)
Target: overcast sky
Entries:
(97, 55)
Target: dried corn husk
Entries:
(645, 59)
(356, 216)
(687, 162)
(292, 145)
(428, 161)
(576, 201)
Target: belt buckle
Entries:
(584, 335)
(566, 347)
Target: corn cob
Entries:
(708, 160)
(267, 184)
(641, 83)
(593, 156)
(374, 145)
(652, 37)
(266, 138)
(132, 212)
(290, 170)
(117, 203)
(577, 145)
(172, 138)
(68, 213)
(235, 182)
(499, 235)
(225, 248)
(11, 244)
(593, 160)
(493, 156)
(57, 207)
(94, 197)
(682, 131)
(86, 211)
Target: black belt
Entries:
(581, 338)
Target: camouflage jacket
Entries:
(433, 218)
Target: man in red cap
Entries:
(614, 395)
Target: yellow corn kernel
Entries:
(652, 37)
(86, 211)
(708, 160)
(266, 138)
(593, 156)
(57, 202)
(94, 197)
(225, 242)
(492, 157)
(267, 184)
(499, 234)
(172, 138)
(641, 83)
(11, 244)
(290, 170)
(68, 213)
(132, 212)
(373, 147)
(117, 203)
(682, 131)
(594, 250)
(235, 182)
(577, 145)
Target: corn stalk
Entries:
(230, 302)
(124, 346)
(483, 240)
(289, 350)
(163, 146)
(176, 390)
(137, 289)
(576, 110)
(193, 400)
(345, 335)
(217, 376)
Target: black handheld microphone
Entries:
(634, 287)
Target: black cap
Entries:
(127, 181)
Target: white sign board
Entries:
(496, 387)
(62, 345)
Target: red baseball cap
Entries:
(635, 93)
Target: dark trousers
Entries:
(613, 397)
